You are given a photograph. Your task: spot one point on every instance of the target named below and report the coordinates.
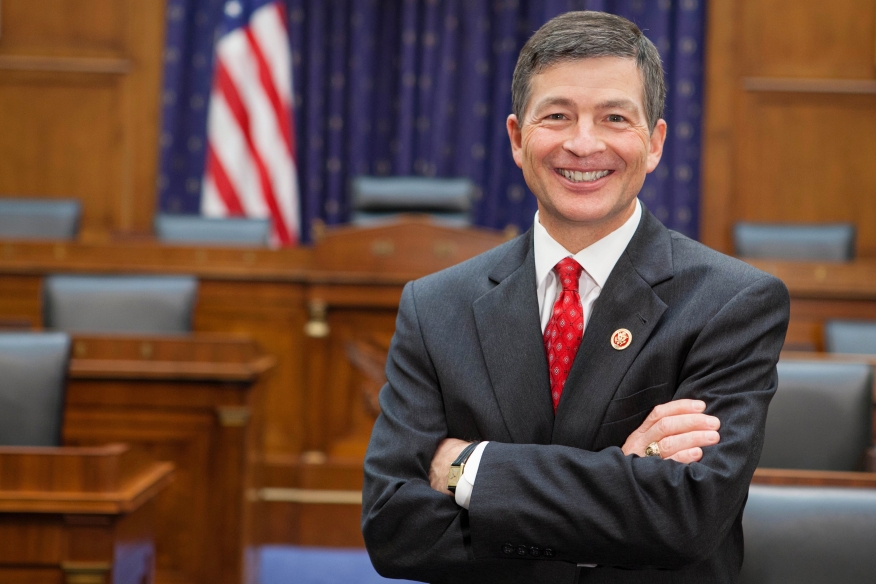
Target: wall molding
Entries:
(65, 64)
(806, 85)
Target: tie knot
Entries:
(569, 272)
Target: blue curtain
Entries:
(422, 87)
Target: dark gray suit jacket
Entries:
(467, 361)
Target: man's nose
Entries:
(584, 139)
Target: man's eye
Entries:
(616, 118)
(556, 117)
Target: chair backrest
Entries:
(828, 242)
(33, 370)
(232, 231)
(850, 336)
(378, 199)
(119, 304)
(809, 535)
(39, 218)
(820, 417)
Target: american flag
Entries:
(250, 168)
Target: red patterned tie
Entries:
(564, 331)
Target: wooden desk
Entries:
(192, 401)
(78, 515)
(303, 306)
(813, 478)
(822, 291)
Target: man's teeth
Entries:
(577, 176)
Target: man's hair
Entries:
(584, 35)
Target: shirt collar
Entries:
(598, 259)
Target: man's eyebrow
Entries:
(624, 104)
(552, 101)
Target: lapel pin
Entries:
(621, 339)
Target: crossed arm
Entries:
(606, 507)
(680, 429)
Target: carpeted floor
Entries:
(312, 565)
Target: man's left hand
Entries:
(448, 450)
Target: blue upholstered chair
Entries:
(850, 336)
(828, 242)
(809, 535)
(820, 417)
(39, 218)
(194, 229)
(33, 376)
(446, 200)
(119, 304)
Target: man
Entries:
(590, 362)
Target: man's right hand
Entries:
(680, 429)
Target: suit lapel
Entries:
(627, 301)
(510, 336)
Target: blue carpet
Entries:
(281, 564)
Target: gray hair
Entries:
(584, 35)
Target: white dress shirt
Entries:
(598, 260)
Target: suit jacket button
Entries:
(508, 549)
(534, 551)
(548, 552)
(521, 550)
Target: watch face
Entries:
(453, 476)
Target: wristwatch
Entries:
(458, 467)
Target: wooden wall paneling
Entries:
(141, 116)
(790, 90)
(808, 38)
(79, 90)
(58, 140)
(272, 314)
(717, 182)
(20, 299)
(797, 162)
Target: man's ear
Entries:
(655, 144)
(516, 137)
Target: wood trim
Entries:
(131, 369)
(104, 66)
(123, 501)
(821, 478)
(311, 496)
(803, 85)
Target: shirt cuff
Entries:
(466, 482)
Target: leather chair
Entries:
(377, 200)
(232, 231)
(820, 417)
(119, 304)
(828, 242)
(39, 218)
(850, 336)
(809, 535)
(33, 367)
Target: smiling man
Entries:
(585, 403)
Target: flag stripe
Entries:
(251, 168)
(232, 97)
(280, 110)
(233, 152)
(226, 190)
(240, 64)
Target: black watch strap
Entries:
(458, 466)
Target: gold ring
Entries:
(652, 450)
